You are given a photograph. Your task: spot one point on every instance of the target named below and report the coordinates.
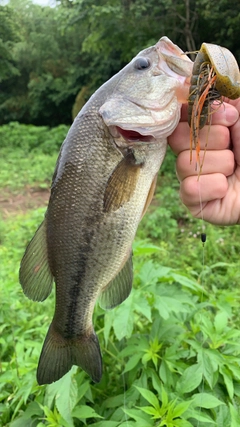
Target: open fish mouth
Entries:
(130, 135)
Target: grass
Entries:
(171, 351)
(21, 169)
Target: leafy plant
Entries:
(28, 137)
(170, 351)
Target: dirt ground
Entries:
(16, 203)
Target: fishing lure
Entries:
(215, 75)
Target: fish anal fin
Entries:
(119, 288)
(150, 195)
(60, 354)
(121, 183)
(35, 275)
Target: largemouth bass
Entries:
(102, 185)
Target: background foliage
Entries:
(171, 351)
(47, 55)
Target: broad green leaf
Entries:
(235, 370)
(142, 419)
(21, 421)
(149, 410)
(180, 408)
(157, 384)
(227, 380)
(143, 248)
(161, 305)
(141, 306)
(165, 373)
(190, 379)
(188, 283)
(205, 400)
(150, 274)
(84, 411)
(235, 416)
(164, 397)
(114, 401)
(199, 416)
(108, 322)
(208, 367)
(123, 318)
(139, 344)
(149, 396)
(223, 416)
(132, 362)
(32, 409)
(106, 423)
(65, 392)
(221, 321)
(82, 390)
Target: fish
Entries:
(102, 185)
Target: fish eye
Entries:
(142, 63)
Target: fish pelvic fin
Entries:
(119, 288)
(35, 275)
(60, 354)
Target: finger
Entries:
(221, 161)
(225, 114)
(234, 102)
(194, 191)
(215, 137)
(211, 198)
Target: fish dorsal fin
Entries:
(35, 275)
(119, 288)
(121, 184)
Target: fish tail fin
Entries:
(59, 354)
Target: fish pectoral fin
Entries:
(121, 183)
(60, 354)
(119, 288)
(35, 275)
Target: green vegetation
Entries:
(28, 155)
(171, 351)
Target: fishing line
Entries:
(203, 236)
(124, 393)
(124, 399)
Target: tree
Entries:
(50, 54)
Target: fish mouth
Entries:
(130, 135)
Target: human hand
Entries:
(215, 196)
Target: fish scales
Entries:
(103, 183)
